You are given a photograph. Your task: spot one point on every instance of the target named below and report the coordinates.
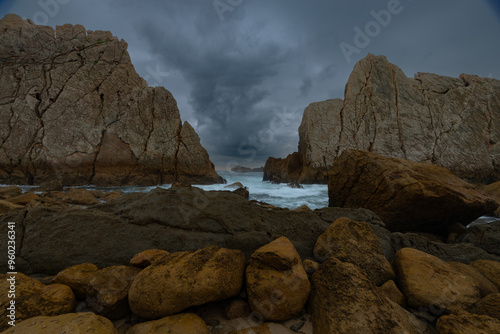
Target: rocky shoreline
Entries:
(391, 253)
(197, 261)
(220, 290)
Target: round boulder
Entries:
(77, 277)
(430, 283)
(107, 292)
(277, 284)
(185, 279)
(34, 298)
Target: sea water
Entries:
(315, 196)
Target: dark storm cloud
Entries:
(306, 86)
(227, 65)
(243, 72)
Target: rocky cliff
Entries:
(454, 123)
(73, 108)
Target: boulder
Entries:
(187, 323)
(147, 257)
(178, 219)
(77, 278)
(344, 300)
(265, 328)
(391, 291)
(493, 190)
(34, 298)
(302, 208)
(466, 323)
(236, 308)
(75, 323)
(485, 236)
(6, 207)
(310, 266)
(234, 186)
(79, 196)
(406, 195)
(107, 291)
(350, 241)
(112, 195)
(461, 252)
(193, 278)
(10, 191)
(489, 269)
(485, 286)
(451, 122)
(489, 305)
(276, 282)
(24, 199)
(243, 192)
(431, 284)
(96, 121)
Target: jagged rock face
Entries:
(74, 109)
(451, 122)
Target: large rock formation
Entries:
(74, 109)
(406, 195)
(454, 123)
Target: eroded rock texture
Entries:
(451, 122)
(73, 108)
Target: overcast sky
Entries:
(242, 71)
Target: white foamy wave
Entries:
(313, 195)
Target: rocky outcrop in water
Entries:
(73, 109)
(451, 122)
